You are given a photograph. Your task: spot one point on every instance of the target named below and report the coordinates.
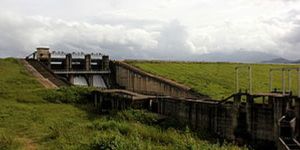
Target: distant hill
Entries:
(296, 62)
(278, 61)
(237, 56)
(281, 61)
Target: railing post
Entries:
(271, 80)
(289, 80)
(298, 86)
(283, 81)
(250, 79)
(237, 79)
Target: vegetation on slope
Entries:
(216, 80)
(34, 118)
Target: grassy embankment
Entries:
(34, 118)
(216, 80)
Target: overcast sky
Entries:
(152, 29)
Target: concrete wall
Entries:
(222, 118)
(225, 121)
(200, 115)
(134, 79)
(262, 122)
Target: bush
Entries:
(113, 142)
(73, 94)
(141, 116)
(121, 127)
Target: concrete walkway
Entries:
(44, 81)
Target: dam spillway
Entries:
(77, 68)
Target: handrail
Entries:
(27, 57)
(226, 99)
(284, 70)
(283, 143)
(52, 73)
(81, 72)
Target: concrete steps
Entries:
(47, 73)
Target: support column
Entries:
(90, 80)
(249, 114)
(105, 62)
(49, 61)
(87, 60)
(277, 115)
(68, 66)
(235, 113)
(71, 78)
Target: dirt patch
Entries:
(27, 143)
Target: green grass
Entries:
(216, 80)
(32, 117)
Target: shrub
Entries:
(113, 125)
(141, 116)
(73, 94)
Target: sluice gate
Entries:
(76, 68)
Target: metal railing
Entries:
(237, 69)
(283, 79)
(66, 71)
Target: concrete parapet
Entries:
(140, 81)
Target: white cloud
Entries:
(168, 29)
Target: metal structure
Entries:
(249, 68)
(283, 79)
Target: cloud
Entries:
(21, 34)
(174, 41)
(150, 30)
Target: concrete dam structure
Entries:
(73, 68)
(239, 117)
(272, 123)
